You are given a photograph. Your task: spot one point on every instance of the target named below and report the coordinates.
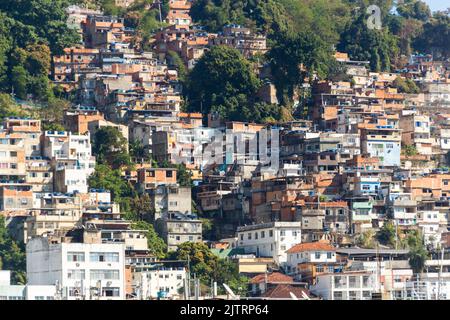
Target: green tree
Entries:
(295, 56)
(19, 81)
(208, 266)
(47, 18)
(405, 85)
(379, 47)
(137, 150)
(222, 81)
(410, 150)
(106, 178)
(435, 37)
(142, 207)
(9, 108)
(176, 61)
(417, 253)
(12, 255)
(367, 239)
(52, 113)
(387, 234)
(156, 245)
(414, 9)
(110, 147)
(184, 176)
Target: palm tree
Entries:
(417, 257)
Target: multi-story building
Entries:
(83, 271)
(307, 260)
(358, 285)
(72, 160)
(158, 281)
(416, 132)
(179, 228)
(269, 239)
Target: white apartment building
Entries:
(164, 282)
(270, 239)
(429, 223)
(83, 271)
(72, 160)
(318, 252)
(345, 286)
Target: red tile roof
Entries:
(312, 246)
(274, 277)
(282, 291)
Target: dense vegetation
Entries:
(208, 267)
(12, 255)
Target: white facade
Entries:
(74, 162)
(23, 292)
(270, 239)
(428, 222)
(313, 256)
(84, 271)
(345, 286)
(163, 283)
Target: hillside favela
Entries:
(224, 150)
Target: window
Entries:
(352, 295)
(75, 256)
(74, 292)
(249, 236)
(104, 257)
(337, 295)
(282, 233)
(13, 154)
(329, 255)
(270, 233)
(75, 274)
(169, 174)
(317, 255)
(110, 292)
(319, 268)
(242, 236)
(263, 234)
(105, 274)
(256, 235)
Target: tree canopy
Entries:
(12, 255)
(156, 245)
(207, 266)
(222, 81)
(110, 147)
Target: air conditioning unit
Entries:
(77, 264)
